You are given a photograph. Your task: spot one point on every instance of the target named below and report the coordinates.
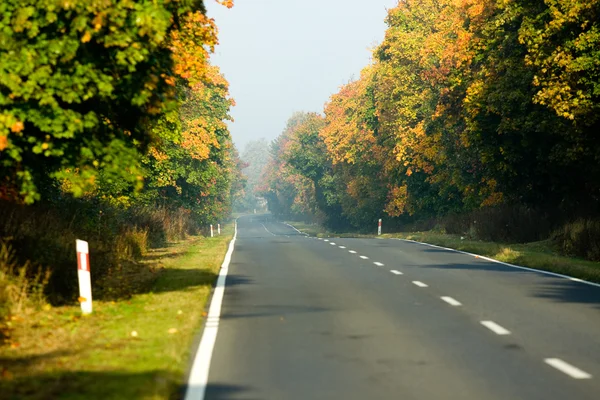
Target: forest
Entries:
(475, 117)
(113, 129)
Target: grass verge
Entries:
(539, 255)
(130, 349)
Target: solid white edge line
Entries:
(504, 263)
(393, 271)
(294, 228)
(378, 264)
(351, 251)
(198, 380)
(420, 284)
(451, 301)
(364, 257)
(567, 368)
(494, 327)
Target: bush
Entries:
(45, 233)
(518, 224)
(580, 238)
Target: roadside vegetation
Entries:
(476, 119)
(130, 348)
(113, 130)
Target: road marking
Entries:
(320, 238)
(326, 240)
(378, 264)
(342, 247)
(451, 301)
(351, 251)
(294, 228)
(506, 264)
(333, 244)
(268, 230)
(364, 257)
(494, 327)
(420, 284)
(393, 271)
(198, 380)
(567, 368)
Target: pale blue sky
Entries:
(281, 56)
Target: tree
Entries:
(81, 83)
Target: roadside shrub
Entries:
(456, 224)
(132, 243)
(580, 238)
(510, 224)
(518, 224)
(45, 233)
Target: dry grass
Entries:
(128, 349)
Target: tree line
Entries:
(113, 130)
(468, 106)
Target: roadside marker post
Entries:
(212, 234)
(83, 275)
(379, 227)
(219, 229)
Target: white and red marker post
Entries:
(379, 227)
(83, 273)
(212, 233)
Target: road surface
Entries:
(306, 318)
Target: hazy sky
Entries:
(281, 56)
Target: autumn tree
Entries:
(81, 84)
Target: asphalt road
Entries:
(304, 318)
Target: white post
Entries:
(379, 227)
(212, 234)
(83, 274)
(219, 229)
(255, 211)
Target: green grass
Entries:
(539, 255)
(131, 349)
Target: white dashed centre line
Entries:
(420, 284)
(393, 271)
(567, 368)
(326, 240)
(364, 257)
(494, 327)
(378, 264)
(333, 244)
(342, 247)
(351, 251)
(451, 301)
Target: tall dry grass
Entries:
(21, 287)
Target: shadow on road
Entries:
(221, 391)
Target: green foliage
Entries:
(485, 110)
(80, 82)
